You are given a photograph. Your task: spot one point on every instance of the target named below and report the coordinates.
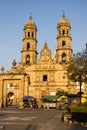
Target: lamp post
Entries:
(2, 93)
(86, 65)
(24, 76)
(28, 76)
(2, 70)
(80, 79)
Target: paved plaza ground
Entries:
(35, 119)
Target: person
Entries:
(68, 108)
(10, 102)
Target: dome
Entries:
(30, 23)
(63, 21)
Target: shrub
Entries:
(79, 108)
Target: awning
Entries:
(63, 97)
(50, 97)
(28, 98)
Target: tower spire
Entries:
(63, 13)
(30, 15)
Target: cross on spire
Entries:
(63, 13)
(30, 15)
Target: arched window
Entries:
(28, 59)
(63, 44)
(63, 58)
(67, 31)
(63, 32)
(28, 34)
(32, 34)
(28, 46)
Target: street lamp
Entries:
(2, 93)
(80, 79)
(2, 70)
(28, 76)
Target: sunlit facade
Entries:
(39, 76)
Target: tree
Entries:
(77, 68)
(61, 93)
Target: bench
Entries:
(79, 117)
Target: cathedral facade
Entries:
(39, 76)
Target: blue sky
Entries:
(46, 14)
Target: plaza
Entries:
(35, 119)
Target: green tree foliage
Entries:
(77, 68)
(61, 93)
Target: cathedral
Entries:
(39, 76)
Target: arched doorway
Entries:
(10, 97)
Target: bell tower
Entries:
(29, 45)
(64, 49)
